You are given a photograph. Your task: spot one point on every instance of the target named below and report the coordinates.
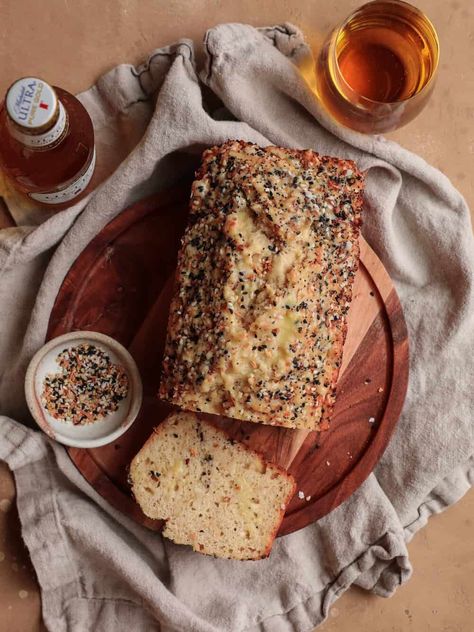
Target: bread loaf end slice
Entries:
(213, 492)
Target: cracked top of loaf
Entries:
(263, 286)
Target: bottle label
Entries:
(31, 103)
(69, 192)
(48, 138)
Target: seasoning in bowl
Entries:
(87, 389)
(83, 389)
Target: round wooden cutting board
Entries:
(121, 286)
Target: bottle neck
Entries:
(45, 139)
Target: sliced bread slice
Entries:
(214, 493)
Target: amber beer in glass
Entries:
(376, 71)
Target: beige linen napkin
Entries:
(97, 569)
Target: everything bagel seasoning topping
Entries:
(264, 284)
(88, 387)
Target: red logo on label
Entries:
(44, 105)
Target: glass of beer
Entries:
(376, 70)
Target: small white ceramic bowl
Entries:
(102, 431)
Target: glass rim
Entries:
(338, 30)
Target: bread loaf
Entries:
(264, 283)
(215, 494)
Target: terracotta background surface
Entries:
(70, 43)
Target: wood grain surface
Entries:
(121, 285)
